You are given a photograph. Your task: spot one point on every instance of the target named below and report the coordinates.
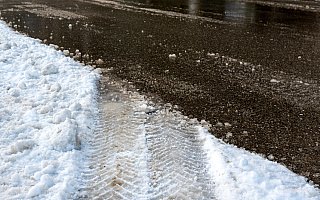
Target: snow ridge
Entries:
(46, 104)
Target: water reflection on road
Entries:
(238, 12)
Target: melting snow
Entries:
(47, 107)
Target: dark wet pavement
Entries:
(262, 77)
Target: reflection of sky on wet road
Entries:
(239, 12)
(193, 6)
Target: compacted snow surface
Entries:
(47, 111)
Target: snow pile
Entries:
(47, 104)
(241, 175)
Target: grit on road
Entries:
(251, 70)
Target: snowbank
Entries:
(241, 175)
(47, 104)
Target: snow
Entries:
(46, 106)
(239, 174)
(47, 111)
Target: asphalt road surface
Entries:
(250, 68)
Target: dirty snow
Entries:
(47, 107)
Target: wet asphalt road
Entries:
(253, 66)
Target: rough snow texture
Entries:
(241, 175)
(46, 106)
(47, 112)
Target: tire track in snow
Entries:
(118, 162)
(177, 162)
(138, 154)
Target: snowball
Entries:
(14, 92)
(55, 87)
(61, 116)
(270, 157)
(228, 135)
(15, 180)
(66, 52)
(274, 81)
(172, 56)
(243, 162)
(49, 69)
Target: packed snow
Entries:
(47, 111)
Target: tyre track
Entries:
(140, 153)
(177, 162)
(118, 166)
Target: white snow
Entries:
(241, 175)
(47, 112)
(274, 81)
(172, 56)
(47, 104)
